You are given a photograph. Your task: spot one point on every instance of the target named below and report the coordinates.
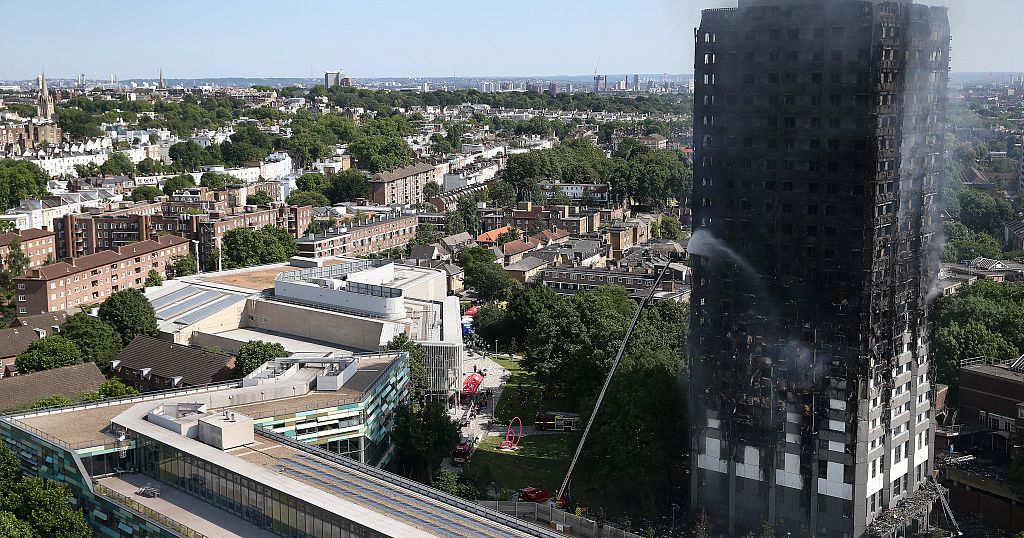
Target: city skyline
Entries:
(295, 43)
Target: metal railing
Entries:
(416, 487)
(147, 513)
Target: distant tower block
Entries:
(336, 78)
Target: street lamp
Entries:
(672, 530)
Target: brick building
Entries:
(376, 235)
(91, 279)
(404, 185)
(28, 135)
(36, 244)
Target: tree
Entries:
(129, 313)
(186, 155)
(45, 505)
(476, 254)
(118, 164)
(114, 388)
(261, 199)
(244, 247)
(76, 123)
(423, 438)
(490, 281)
(52, 401)
(46, 353)
(97, 340)
(153, 278)
(701, 527)
(213, 180)
(179, 182)
(378, 153)
(418, 382)
(508, 236)
(145, 192)
(347, 186)
(17, 262)
(12, 527)
(980, 212)
(20, 179)
(1017, 475)
(313, 182)
(253, 354)
(308, 198)
(431, 190)
(503, 194)
(149, 167)
(427, 234)
(670, 228)
(183, 265)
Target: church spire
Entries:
(161, 85)
(44, 105)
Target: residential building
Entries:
(17, 137)
(37, 245)
(405, 185)
(490, 238)
(637, 279)
(577, 192)
(336, 78)
(1013, 234)
(22, 332)
(621, 236)
(811, 332)
(149, 364)
(375, 234)
(88, 280)
(654, 141)
(453, 244)
(527, 269)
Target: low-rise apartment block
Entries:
(405, 185)
(91, 279)
(37, 245)
(370, 237)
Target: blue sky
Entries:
(367, 38)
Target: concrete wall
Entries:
(225, 320)
(333, 327)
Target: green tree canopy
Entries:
(45, 506)
(149, 167)
(145, 193)
(53, 351)
(178, 182)
(129, 313)
(313, 182)
(304, 198)
(254, 353)
(19, 180)
(244, 247)
(187, 155)
(423, 438)
(476, 254)
(153, 278)
(97, 339)
(260, 198)
(118, 164)
(418, 382)
(347, 186)
(431, 190)
(183, 265)
(76, 123)
(490, 281)
(379, 153)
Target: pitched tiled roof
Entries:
(70, 381)
(399, 173)
(492, 236)
(41, 321)
(528, 263)
(519, 246)
(166, 359)
(15, 340)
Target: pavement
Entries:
(480, 425)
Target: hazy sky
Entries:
(367, 38)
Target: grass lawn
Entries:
(521, 396)
(541, 461)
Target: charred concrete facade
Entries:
(819, 127)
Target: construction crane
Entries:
(608, 379)
(597, 78)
